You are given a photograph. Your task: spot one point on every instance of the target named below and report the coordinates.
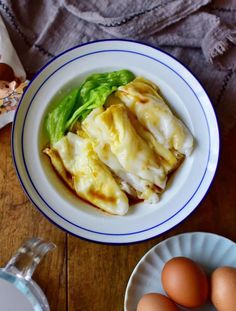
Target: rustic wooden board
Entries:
(19, 221)
(84, 276)
(98, 274)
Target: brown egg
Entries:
(185, 282)
(156, 302)
(223, 288)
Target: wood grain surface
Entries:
(85, 276)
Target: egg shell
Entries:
(185, 282)
(223, 288)
(156, 302)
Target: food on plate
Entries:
(223, 288)
(143, 100)
(156, 302)
(112, 130)
(82, 100)
(88, 176)
(186, 285)
(114, 138)
(185, 282)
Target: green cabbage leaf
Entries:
(77, 105)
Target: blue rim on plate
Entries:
(22, 137)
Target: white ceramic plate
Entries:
(186, 97)
(207, 249)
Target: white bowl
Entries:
(186, 97)
(207, 249)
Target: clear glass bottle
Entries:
(18, 291)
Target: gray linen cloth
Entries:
(201, 34)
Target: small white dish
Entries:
(207, 249)
(185, 189)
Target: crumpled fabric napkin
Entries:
(201, 34)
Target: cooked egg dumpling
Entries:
(132, 152)
(142, 98)
(74, 155)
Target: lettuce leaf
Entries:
(77, 105)
(95, 90)
(55, 122)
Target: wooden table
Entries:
(84, 276)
